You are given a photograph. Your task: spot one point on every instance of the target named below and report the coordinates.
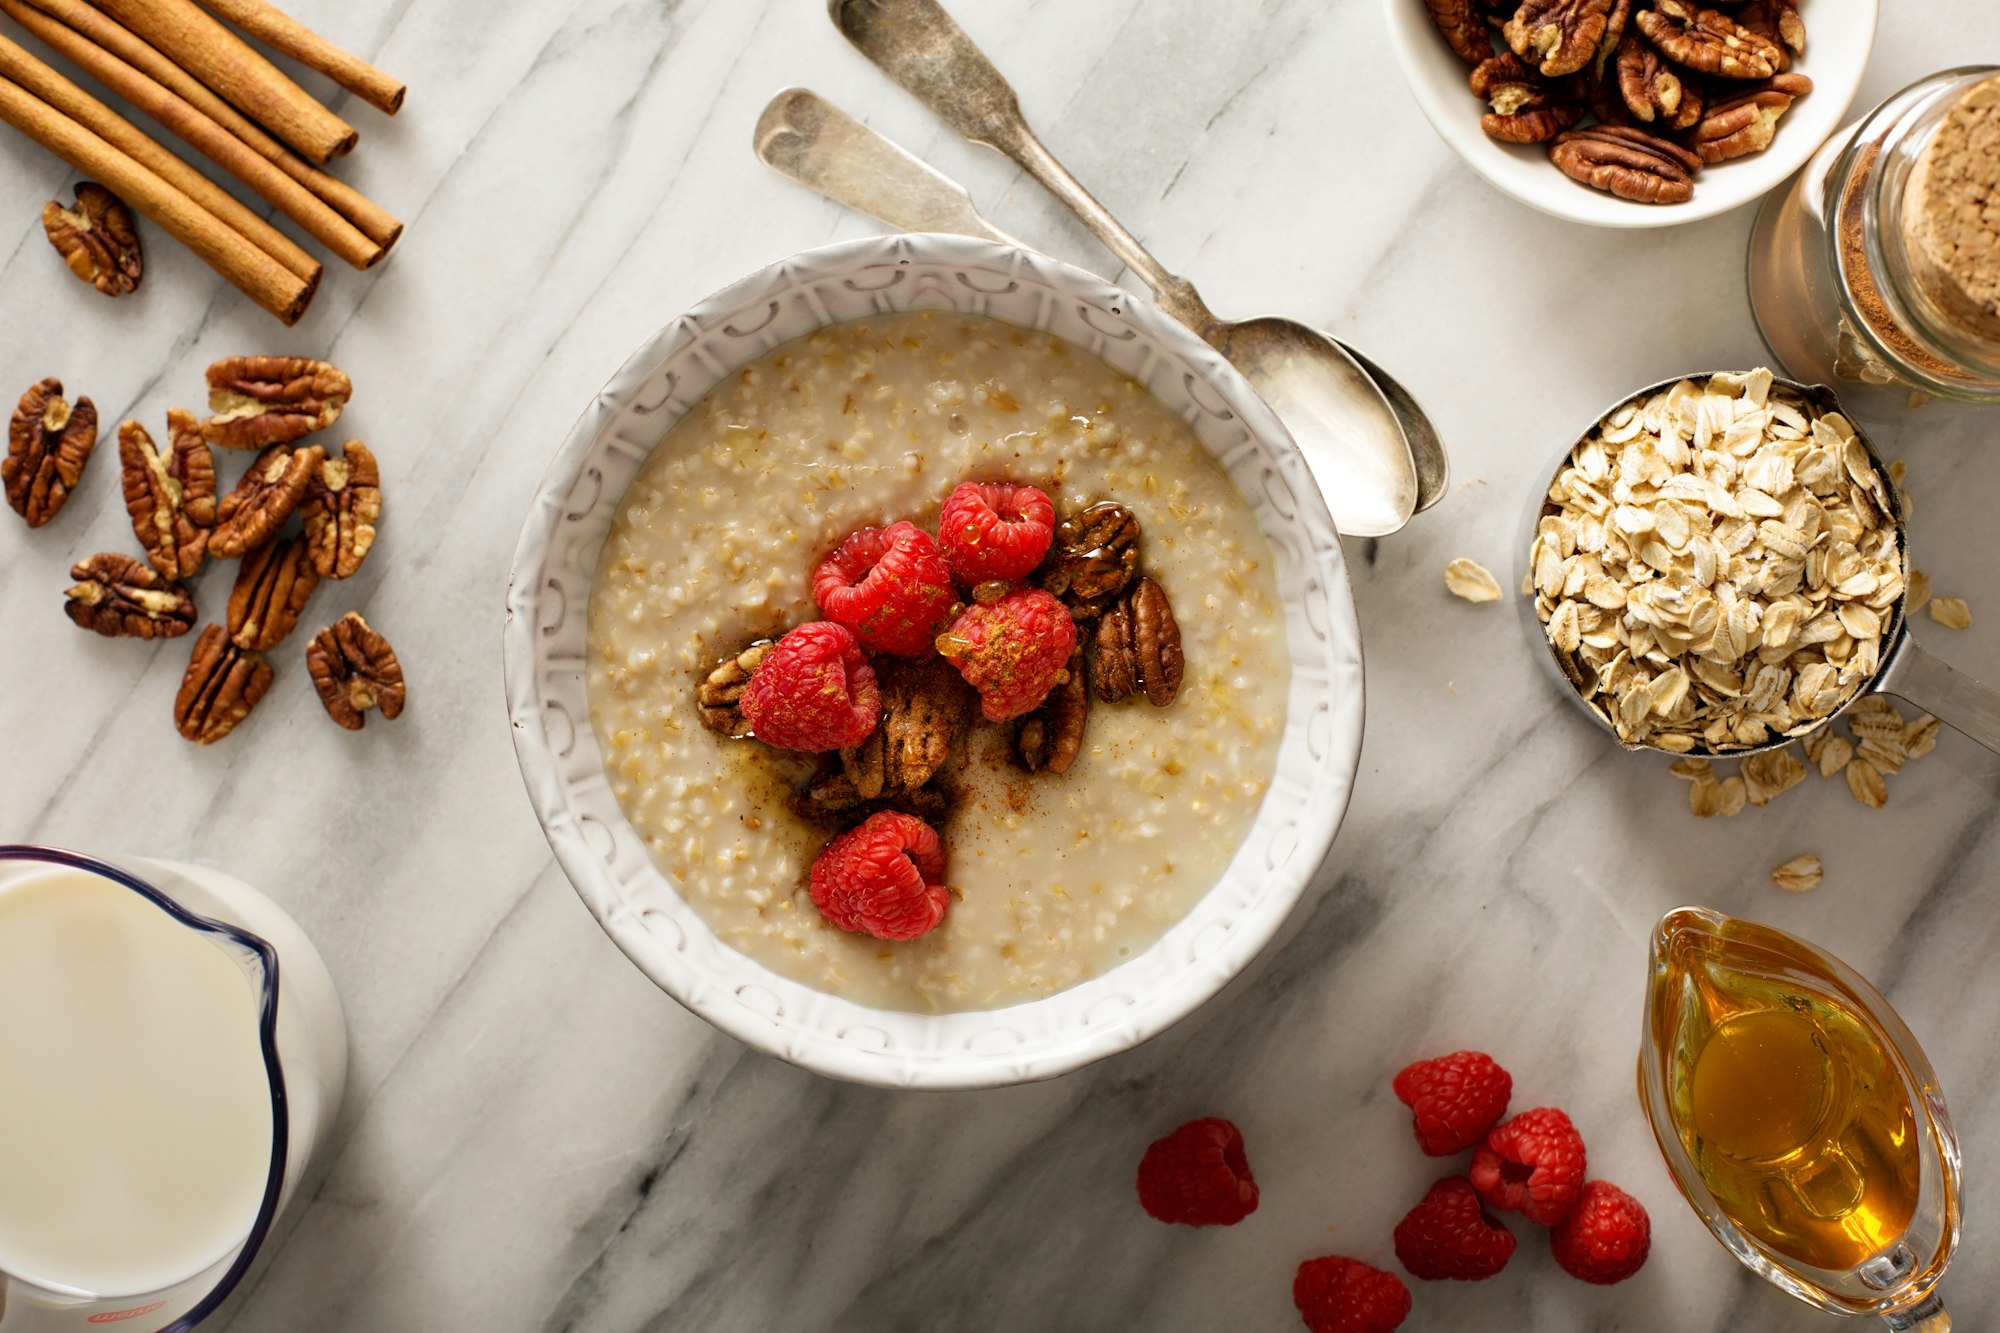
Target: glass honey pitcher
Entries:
(1800, 1118)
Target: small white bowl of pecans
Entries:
(1633, 113)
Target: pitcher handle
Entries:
(1918, 677)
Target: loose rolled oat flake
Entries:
(1471, 580)
(1951, 612)
(1801, 874)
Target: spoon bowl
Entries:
(1338, 414)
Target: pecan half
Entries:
(170, 496)
(48, 442)
(1777, 22)
(1708, 40)
(223, 683)
(251, 514)
(342, 505)
(123, 598)
(1139, 648)
(926, 707)
(1651, 89)
(1626, 162)
(1465, 32)
(719, 697)
(1558, 36)
(264, 400)
(97, 239)
(1747, 123)
(1051, 737)
(272, 586)
(1094, 558)
(829, 799)
(354, 669)
(1525, 110)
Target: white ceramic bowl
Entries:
(548, 599)
(1839, 35)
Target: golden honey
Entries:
(1787, 1099)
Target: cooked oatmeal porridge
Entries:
(1053, 879)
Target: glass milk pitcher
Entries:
(173, 1054)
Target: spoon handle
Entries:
(916, 43)
(806, 137)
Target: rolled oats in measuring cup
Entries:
(1878, 270)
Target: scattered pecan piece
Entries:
(259, 401)
(719, 697)
(170, 496)
(223, 683)
(251, 514)
(354, 669)
(1708, 40)
(1746, 123)
(1051, 737)
(48, 442)
(97, 239)
(123, 598)
(1650, 88)
(1139, 648)
(1525, 110)
(1626, 162)
(1558, 36)
(926, 707)
(272, 586)
(1465, 32)
(1094, 558)
(342, 505)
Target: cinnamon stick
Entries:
(33, 76)
(192, 39)
(224, 149)
(100, 37)
(251, 271)
(281, 32)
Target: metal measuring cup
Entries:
(1905, 671)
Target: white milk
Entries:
(135, 1121)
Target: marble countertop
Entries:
(535, 1137)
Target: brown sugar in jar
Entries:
(1878, 270)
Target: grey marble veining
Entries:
(535, 1138)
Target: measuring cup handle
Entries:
(1948, 694)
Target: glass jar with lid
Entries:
(1877, 271)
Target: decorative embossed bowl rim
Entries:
(606, 859)
(1839, 36)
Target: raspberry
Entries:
(1532, 1165)
(1449, 1235)
(889, 585)
(995, 530)
(1605, 1237)
(813, 691)
(883, 878)
(1340, 1295)
(1455, 1098)
(1198, 1176)
(1012, 651)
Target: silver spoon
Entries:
(1343, 421)
(806, 137)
